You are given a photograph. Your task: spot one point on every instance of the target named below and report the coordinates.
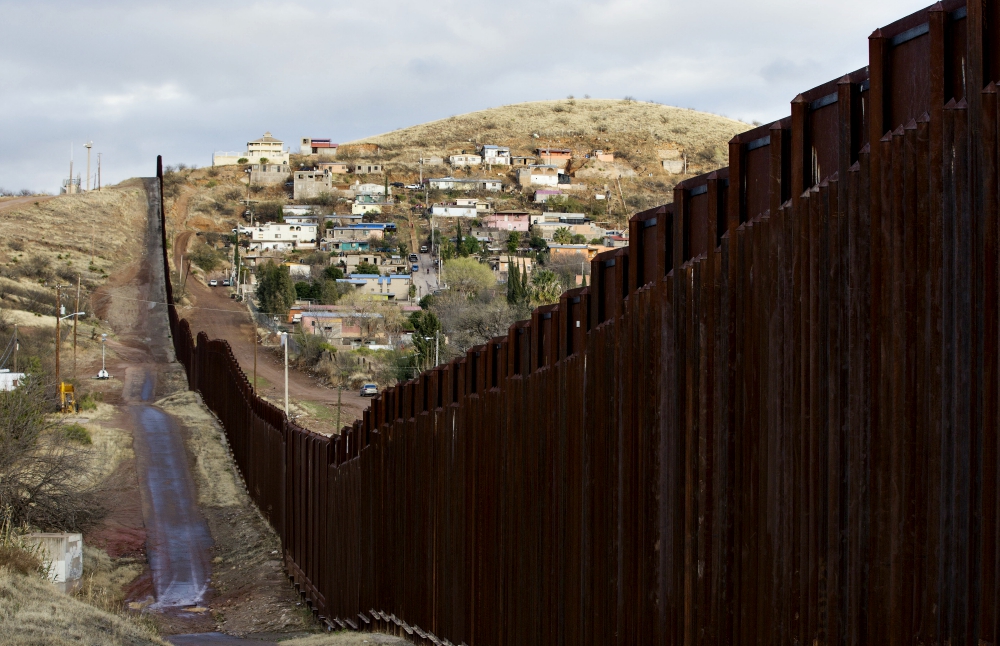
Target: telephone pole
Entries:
(88, 146)
(58, 314)
(98, 172)
(75, 319)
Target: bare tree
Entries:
(43, 477)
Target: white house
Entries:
(465, 160)
(453, 210)
(369, 189)
(469, 184)
(499, 155)
(283, 236)
(393, 288)
(312, 146)
(539, 175)
(267, 147)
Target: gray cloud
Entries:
(185, 78)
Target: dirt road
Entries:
(221, 317)
(15, 202)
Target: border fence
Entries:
(772, 418)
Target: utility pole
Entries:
(284, 341)
(75, 319)
(88, 146)
(255, 353)
(69, 187)
(17, 346)
(437, 346)
(58, 314)
(98, 172)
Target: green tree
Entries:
(545, 287)
(205, 257)
(538, 243)
(330, 291)
(459, 247)
(333, 272)
(269, 212)
(425, 326)
(562, 236)
(468, 275)
(471, 246)
(367, 268)
(306, 291)
(517, 289)
(578, 238)
(275, 290)
(597, 241)
(513, 242)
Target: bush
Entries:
(242, 160)
(42, 472)
(205, 257)
(367, 268)
(269, 212)
(77, 433)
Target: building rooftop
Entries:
(266, 139)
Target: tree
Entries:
(365, 267)
(269, 212)
(578, 238)
(306, 291)
(330, 291)
(468, 275)
(242, 160)
(459, 247)
(517, 288)
(545, 287)
(333, 273)
(275, 290)
(538, 243)
(513, 242)
(562, 236)
(205, 257)
(425, 326)
(44, 475)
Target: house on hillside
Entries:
(454, 210)
(310, 184)
(539, 175)
(345, 246)
(600, 155)
(543, 195)
(465, 160)
(368, 168)
(508, 221)
(269, 174)
(465, 184)
(323, 147)
(267, 147)
(391, 288)
(554, 156)
(334, 167)
(496, 155)
(280, 236)
(369, 189)
(523, 161)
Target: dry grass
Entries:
(634, 130)
(52, 241)
(33, 613)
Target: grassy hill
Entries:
(636, 132)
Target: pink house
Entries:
(508, 221)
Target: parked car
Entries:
(414, 187)
(213, 283)
(423, 248)
(225, 282)
(369, 390)
(397, 184)
(413, 257)
(415, 268)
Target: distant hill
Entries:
(637, 132)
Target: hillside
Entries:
(638, 133)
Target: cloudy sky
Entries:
(186, 78)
